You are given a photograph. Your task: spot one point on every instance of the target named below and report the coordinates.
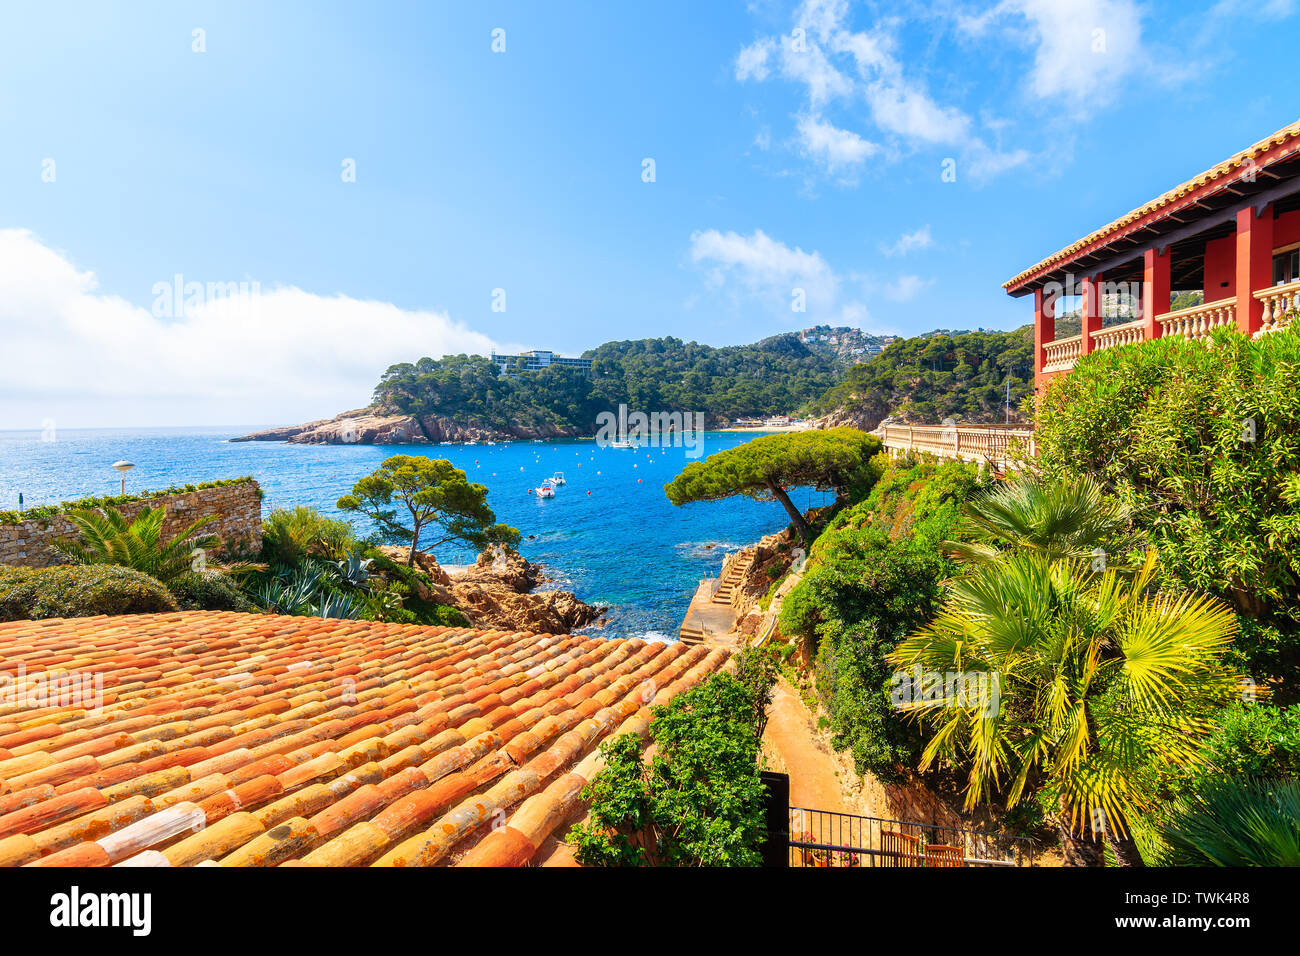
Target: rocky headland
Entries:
(371, 426)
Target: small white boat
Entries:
(557, 479)
(621, 443)
(546, 491)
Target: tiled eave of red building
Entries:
(1282, 145)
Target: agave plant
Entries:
(1097, 678)
(354, 570)
(333, 604)
(1069, 518)
(108, 538)
(1234, 822)
(304, 591)
(289, 591)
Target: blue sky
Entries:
(795, 145)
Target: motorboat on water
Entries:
(622, 443)
(557, 479)
(546, 491)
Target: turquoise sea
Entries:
(609, 534)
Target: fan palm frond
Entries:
(1098, 678)
(1071, 518)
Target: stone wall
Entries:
(238, 508)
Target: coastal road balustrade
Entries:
(996, 445)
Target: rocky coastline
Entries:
(500, 592)
(371, 426)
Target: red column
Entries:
(1155, 291)
(1091, 293)
(1254, 265)
(1044, 332)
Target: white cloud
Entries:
(908, 111)
(838, 149)
(906, 288)
(756, 272)
(752, 61)
(812, 68)
(277, 357)
(984, 162)
(1083, 49)
(761, 264)
(910, 241)
(838, 65)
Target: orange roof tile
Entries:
(249, 740)
(1222, 174)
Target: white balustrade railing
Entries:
(1281, 304)
(1062, 353)
(990, 443)
(1281, 308)
(1198, 321)
(1130, 333)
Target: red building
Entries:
(1231, 234)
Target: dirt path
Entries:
(792, 745)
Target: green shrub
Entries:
(699, 800)
(757, 670)
(1202, 440)
(79, 591)
(404, 584)
(1256, 741)
(208, 591)
(291, 536)
(309, 589)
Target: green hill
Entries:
(771, 377)
(928, 378)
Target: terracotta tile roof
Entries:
(248, 740)
(1222, 174)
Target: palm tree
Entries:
(1068, 518)
(1097, 677)
(107, 538)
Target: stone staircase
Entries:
(735, 573)
(691, 634)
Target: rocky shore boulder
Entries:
(498, 592)
(503, 566)
(543, 612)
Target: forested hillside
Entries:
(923, 379)
(774, 376)
(927, 379)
